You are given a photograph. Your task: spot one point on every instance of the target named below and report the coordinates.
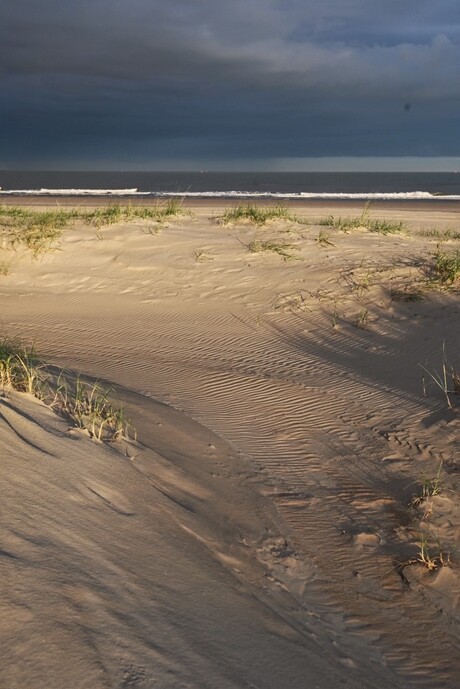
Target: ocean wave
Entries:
(359, 196)
(69, 192)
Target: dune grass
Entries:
(364, 220)
(110, 215)
(90, 408)
(442, 235)
(20, 368)
(256, 215)
(446, 268)
(40, 231)
(87, 405)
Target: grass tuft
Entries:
(363, 220)
(87, 405)
(110, 215)
(283, 249)
(39, 231)
(431, 486)
(446, 268)
(256, 214)
(323, 239)
(20, 369)
(430, 556)
(442, 235)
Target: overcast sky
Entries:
(139, 84)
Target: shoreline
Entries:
(408, 205)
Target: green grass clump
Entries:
(87, 405)
(446, 268)
(256, 214)
(283, 249)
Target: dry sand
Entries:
(251, 536)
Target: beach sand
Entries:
(259, 532)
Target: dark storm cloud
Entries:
(207, 78)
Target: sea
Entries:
(421, 186)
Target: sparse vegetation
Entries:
(295, 302)
(447, 380)
(323, 239)
(256, 215)
(85, 404)
(362, 319)
(430, 556)
(408, 293)
(283, 249)
(431, 486)
(335, 317)
(202, 257)
(4, 268)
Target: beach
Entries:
(287, 513)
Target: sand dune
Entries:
(257, 533)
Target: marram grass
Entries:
(364, 220)
(87, 405)
(40, 231)
(256, 215)
(446, 268)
